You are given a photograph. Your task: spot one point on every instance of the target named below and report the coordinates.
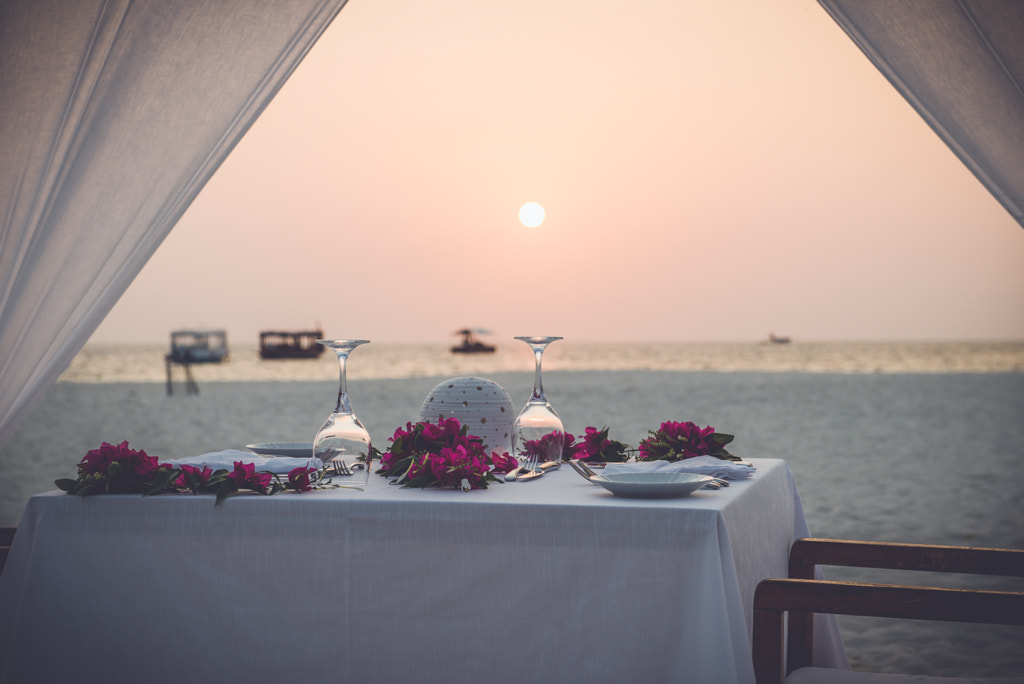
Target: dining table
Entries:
(548, 580)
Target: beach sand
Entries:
(928, 458)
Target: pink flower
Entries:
(143, 464)
(298, 479)
(98, 460)
(193, 474)
(246, 477)
(571, 448)
(594, 441)
(440, 454)
(503, 463)
(547, 448)
(418, 465)
(679, 440)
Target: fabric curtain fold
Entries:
(114, 115)
(960, 64)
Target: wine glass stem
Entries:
(538, 387)
(343, 405)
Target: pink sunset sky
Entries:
(710, 171)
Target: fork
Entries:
(529, 464)
(336, 466)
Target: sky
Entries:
(709, 172)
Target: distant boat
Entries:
(198, 346)
(777, 340)
(291, 345)
(470, 344)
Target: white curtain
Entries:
(113, 115)
(960, 64)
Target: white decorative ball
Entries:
(481, 404)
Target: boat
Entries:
(291, 345)
(471, 344)
(198, 346)
(777, 340)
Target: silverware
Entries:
(533, 474)
(511, 475)
(580, 469)
(336, 466)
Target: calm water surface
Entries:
(120, 363)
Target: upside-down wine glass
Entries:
(342, 443)
(538, 434)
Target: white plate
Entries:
(300, 449)
(651, 485)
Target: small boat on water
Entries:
(774, 339)
(291, 345)
(198, 346)
(471, 344)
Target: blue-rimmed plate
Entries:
(652, 485)
(299, 449)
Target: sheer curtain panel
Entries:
(960, 64)
(113, 115)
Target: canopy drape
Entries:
(960, 64)
(113, 115)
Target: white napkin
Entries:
(702, 465)
(282, 465)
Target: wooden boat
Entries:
(470, 344)
(291, 345)
(198, 346)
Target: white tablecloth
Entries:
(553, 580)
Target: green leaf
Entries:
(224, 490)
(720, 439)
(66, 485)
(161, 481)
(92, 488)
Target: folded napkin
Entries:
(702, 465)
(282, 465)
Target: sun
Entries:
(531, 214)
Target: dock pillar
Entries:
(191, 387)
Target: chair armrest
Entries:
(806, 554)
(774, 597)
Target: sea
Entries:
(890, 441)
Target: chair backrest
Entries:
(801, 595)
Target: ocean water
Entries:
(142, 363)
(917, 443)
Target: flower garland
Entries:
(441, 455)
(596, 447)
(424, 454)
(676, 441)
(119, 469)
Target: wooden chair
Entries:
(6, 539)
(801, 595)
